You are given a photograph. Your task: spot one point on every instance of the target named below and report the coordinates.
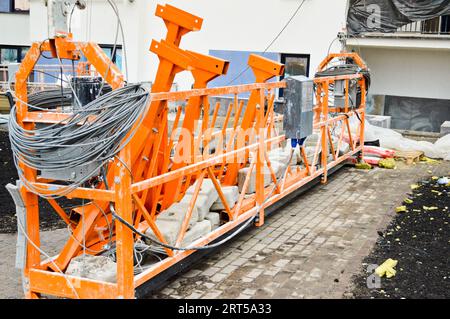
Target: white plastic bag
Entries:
(443, 145)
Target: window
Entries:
(12, 54)
(417, 114)
(21, 5)
(438, 25)
(294, 64)
(117, 57)
(238, 71)
(14, 6)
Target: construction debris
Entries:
(388, 163)
(363, 165)
(400, 209)
(93, 267)
(387, 268)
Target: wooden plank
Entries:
(409, 156)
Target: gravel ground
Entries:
(8, 174)
(419, 239)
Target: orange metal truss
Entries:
(145, 179)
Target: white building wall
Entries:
(14, 29)
(239, 25)
(421, 73)
(250, 25)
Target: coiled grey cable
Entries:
(100, 127)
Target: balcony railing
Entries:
(436, 26)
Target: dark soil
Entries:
(420, 240)
(8, 174)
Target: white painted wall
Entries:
(420, 73)
(14, 29)
(248, 25)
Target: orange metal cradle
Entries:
(146, 179)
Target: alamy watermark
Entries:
(373, 280)
(374, 18)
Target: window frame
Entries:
(283, 57)
(19, 49)
(111, 47)
(12, 9)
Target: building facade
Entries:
(410, 68)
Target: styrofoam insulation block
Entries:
(231, 194)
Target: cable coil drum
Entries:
(75, 149)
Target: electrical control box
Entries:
(339, 94)
(298, 111)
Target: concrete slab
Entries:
(199, 230)
(177, 212)
(202, 204)
(168, 228)
(93, 267)
(252, 184)
(379, 120)
(214, 219)
(207, 189)
(231, 194)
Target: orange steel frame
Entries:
(144, 178)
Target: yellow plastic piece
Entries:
(414, 186)
(387, 268)
(400, 209)
(408, 201)
(428, 160)
(430, 207)
(388, 163)
(363, 166)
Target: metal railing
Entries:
(436, 26)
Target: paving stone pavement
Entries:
(310, 248)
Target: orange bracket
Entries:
(264, 69)
(204, 69)
(178, 22)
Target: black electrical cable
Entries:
(206, 247)
(53, 98)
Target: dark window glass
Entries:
(445, 24)
(12, 54)
(431, 26)
(8, 55)
(294, 64)
(23, 53)
(117, 58)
